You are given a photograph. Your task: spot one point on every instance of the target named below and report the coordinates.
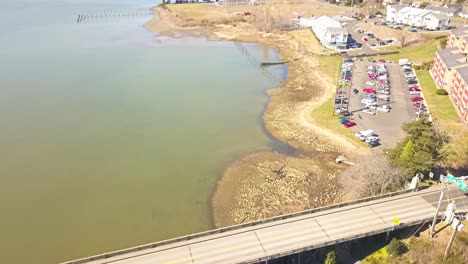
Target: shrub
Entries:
(441, 92)
(331, 257)
(393, 247)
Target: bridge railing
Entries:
(341, 240)
(231, 228)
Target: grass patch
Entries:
(379, 256)
(440, 105)
(427, 183)
(325, 115)
(308, 40)
(331, 66)
(423, 52)
(391, 48)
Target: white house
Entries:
(329, 31)
(437, 21)
(452, 10)
(417, 17)
(392, 11)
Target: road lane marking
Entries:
(227, 249)
(448, 200)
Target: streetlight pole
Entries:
(431, 230)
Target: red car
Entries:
(418, 104)
(416, 98)
(414, 89)
(368, 90)
(350, 124)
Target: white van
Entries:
(402, 62)
(362, 135)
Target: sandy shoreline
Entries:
(266, 184)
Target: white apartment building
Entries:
(329, 31)
(417, 17)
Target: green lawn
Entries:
(440, 105)
(424, 52)
(323, 115)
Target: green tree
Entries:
(331, 257)
(408, 151)
(393, 247)
(421, 148)
(423, 4)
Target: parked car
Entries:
(383, 108)
(344, 121)
(411, 82)
(416, 98)
(373, 144)
(371, 138)
(350, 124)
(414, 89)
(368, 111)
(370, 83)
(414, 92)
(384, 92)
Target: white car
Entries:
(368, 111)
(383, 108)
(367, 101)
(384, 92)
(374, 106)
(370, 83)
(414, 92)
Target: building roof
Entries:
(463, 71)
(442, 9)
(398, 7)
(326, 21)
(452, 57)
(412, 11)
(337, 30)
(440, 16)
(460, 31)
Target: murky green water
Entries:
(110, 136)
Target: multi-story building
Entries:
(416, 17)
(459, 92)
(329, 31)
(450, 70)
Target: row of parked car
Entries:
(414, 89)
(369, 137)
(378, 89)
(341, 100)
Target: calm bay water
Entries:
(110, 136)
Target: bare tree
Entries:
(402, 37)
(372, 176)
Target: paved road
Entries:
(299, 233)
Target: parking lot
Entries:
(387, 125)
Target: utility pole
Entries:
(431, 230)
(457, 226)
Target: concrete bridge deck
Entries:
(273, 238)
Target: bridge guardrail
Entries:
(341, 240)
(230, 228)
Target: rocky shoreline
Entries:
(267, 184)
